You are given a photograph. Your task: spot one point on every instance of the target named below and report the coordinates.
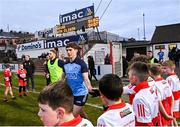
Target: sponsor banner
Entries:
(78, 14)
(13, 67)
(63, 41)
(80, 25)
(46, 31)
(30, 46)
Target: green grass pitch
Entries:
(23, 111)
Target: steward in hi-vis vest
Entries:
(55, 67)
(151, 58)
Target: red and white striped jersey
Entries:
(165, 96)
(145, 105)
(117, 115)
(174, 83)
(129, 89)
(77, 122)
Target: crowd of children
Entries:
(153, 100)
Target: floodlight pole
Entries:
(144, 26)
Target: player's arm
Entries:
(161, 107)
(61, 65)
(128, 89)
(163, 112)
(87, 81)
(172, 106)
(84, 71)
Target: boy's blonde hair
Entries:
(168, 63)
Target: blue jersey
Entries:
(161, 55)
(74, 74)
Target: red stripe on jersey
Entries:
(141, 111)
(73, 122)
(170, 82)
(138, 106)
(117, 106)
(171, 74)
(159, 79)
(176, 94)
(130, 86)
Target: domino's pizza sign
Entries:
(30, 46)
(78, 14)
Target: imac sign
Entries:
(63, 41)
(78, 14)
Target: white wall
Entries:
(97, 48)
(101, 70)
(99, 52)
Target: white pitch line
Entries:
(88, 104)
(95, 106)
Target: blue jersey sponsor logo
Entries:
(75, 79)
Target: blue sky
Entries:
(123, 17)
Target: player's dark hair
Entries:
(155, 69)
(110, 85)
(57, 95)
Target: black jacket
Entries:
(29, 66)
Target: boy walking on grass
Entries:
(7, 82)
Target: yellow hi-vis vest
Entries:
(55, 71)
(152, 60)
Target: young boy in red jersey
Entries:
(164, 93)
(173, 80)
(56, 107)
(145, 102)
(118, 113)
(22, 80)
(7, 82)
